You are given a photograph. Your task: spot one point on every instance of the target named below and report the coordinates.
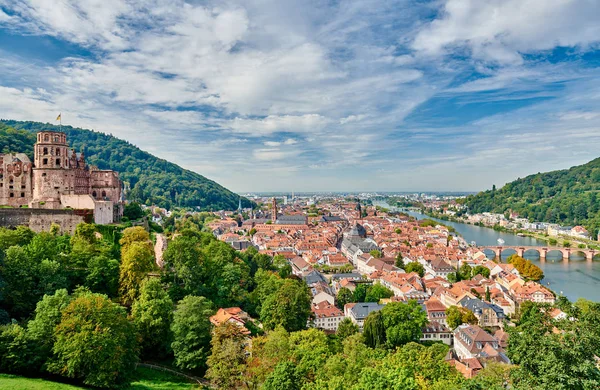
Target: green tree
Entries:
(227, 362)
(403, 322)
(400, 261)
(103, 276)
(191, 332)
(360, 292)
(137, 260)
(283, 377)
(344, 296)
(481, 270)
(374, 330)
(465, 272)
(94, 342)
(152, 314)
(376, 292)
(415, 267)
(288, 307)
(346, 328)
(375, 253)
(133, 211)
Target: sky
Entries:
(318, 95)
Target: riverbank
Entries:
(575, 279)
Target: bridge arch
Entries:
(507, 252)
(532, 253)
(577, 255)
(555, 254)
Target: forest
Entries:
(151, 180)
(91, 306)
(566, 197)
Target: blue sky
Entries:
(311, 95)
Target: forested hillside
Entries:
(151, 180)
(566, 197)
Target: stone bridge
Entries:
(543, 251)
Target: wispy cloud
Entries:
(266, 95)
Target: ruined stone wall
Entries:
(40, 220)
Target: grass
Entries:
(20, 383)
(144, 379)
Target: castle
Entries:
(59, 179)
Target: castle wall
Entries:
(40, 220)
(15, 180)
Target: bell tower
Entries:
(274, 210)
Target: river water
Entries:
(574, 279)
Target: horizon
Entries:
(322, 96)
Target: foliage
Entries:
(374, 330)
(376, 292)
(103, 276)
(456, 316)
(375, 253)
(133, 211)
(288, 307)
(283, 377)
(152, 314)
(415, 267)
(227, 362)
(136, 261)
(526, 268)
(567, 197)
(191, 332)
(403, 322)
(346, 328)
(344, 296)
(481, 270)
(152, 180)
(551, 354)
(360, 292)
(95, 342)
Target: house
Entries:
(470, 341)
(322, 292)
(579, 232)
(436, 311)
(234, 315)
(300, 266)
(358, 312)
(326, 316)
(435, 331)
(533, 292)
(488, 314)
(439, 267)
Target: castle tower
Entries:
(274, 210)
(50, 179)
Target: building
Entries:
(326, 316)
(358, 312)
(59, 179)
(470, 341)
(233, 315)
(488, 314)
(435, 331)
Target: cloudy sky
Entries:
(264, 95)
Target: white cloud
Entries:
(287, 123)
(500, 30)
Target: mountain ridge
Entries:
(151, 180)
(567, 196)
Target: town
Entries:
(338, 247)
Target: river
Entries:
(574, 279)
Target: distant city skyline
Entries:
(344, 96)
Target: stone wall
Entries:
(42, 219)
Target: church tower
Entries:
(274, 210)
(50, 178)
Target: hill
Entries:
(152, 180)
(567, 197)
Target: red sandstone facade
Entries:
(59, 178)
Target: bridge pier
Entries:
(589, 255)
(543, 252)
(520, 252)
(566, 254)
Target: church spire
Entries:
(274, 210)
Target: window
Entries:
(58, 152)
(58, 161)
(94, 194)
(43, 175)
(45, 161)
(45, 151)
(22, 194)
(12, 195)
(46, 138)
(104, 194)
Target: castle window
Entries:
(45, 161)
(22, 194)
(56, 138)
(46, 138)
(43, 175)
(58, 161)
(104, 194)
(58, 152)
(45, 151)
(12, 195)
(94, 194)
